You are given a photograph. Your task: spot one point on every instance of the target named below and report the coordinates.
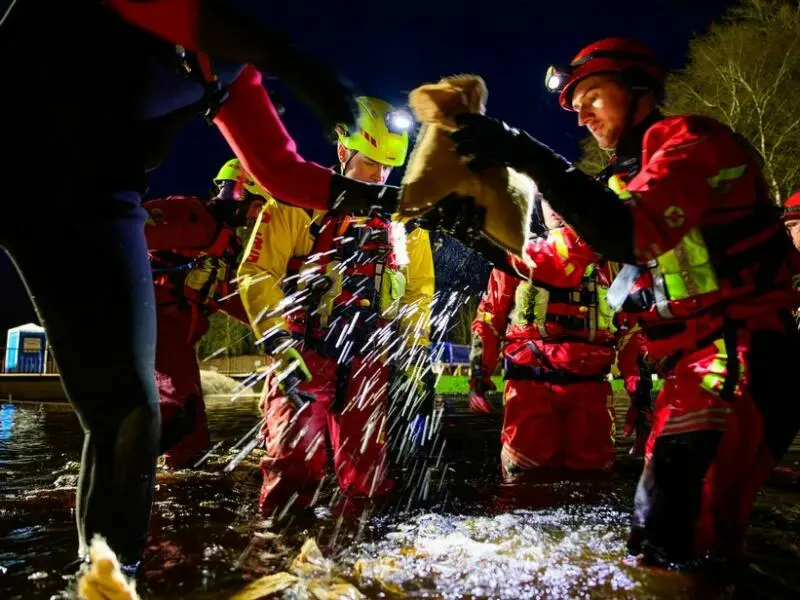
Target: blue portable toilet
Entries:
(26, 348)
(459, 354)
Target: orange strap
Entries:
(344, 224)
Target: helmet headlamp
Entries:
(399, 121)
(557, 77)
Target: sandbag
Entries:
(311, 576)
(436, 170)
(103, 579)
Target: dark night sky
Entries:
(387, 49)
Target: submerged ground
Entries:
(468, 537)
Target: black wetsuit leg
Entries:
(84, 262)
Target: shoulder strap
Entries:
(198, 66)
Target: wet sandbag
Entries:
(312, 575)
(215, 383)
(267, 586)
(436, 170)
(387, 572)
(310, 562)
(103, 579)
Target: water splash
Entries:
(558, 553)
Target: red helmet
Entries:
(634, 61)
(791, 208)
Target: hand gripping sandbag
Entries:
(435, 170)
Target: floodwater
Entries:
(471, 538)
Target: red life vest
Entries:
(191, 251)
(347, 287)
(733, 266)
(561, 334)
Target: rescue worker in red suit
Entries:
(557, 336)
(335, 296)
(195, 247)
(707, 274)
(636, 372)
(121, 120)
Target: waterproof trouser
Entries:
(184, 423)
(557, 426)
(719, 428)
(630, 362)
(296, 440)
(103, 340)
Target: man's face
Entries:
(602, 104)
(362, 168)
(552, 219)
(793, 227)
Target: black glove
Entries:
(227, 34)
(491, 142)
(280, 347)
(462, 218)
(351, 195)
(295, 395)
(327, 95)
(458, 216)
(638, 422)
(594, 211)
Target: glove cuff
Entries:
(291, 356)
(348, 194)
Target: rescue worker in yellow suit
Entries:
(338, 296)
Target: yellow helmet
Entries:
(233, 171)
(381, 134)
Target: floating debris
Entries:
(312, 575)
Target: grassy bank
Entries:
(453, 384)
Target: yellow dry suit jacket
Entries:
(284, 232)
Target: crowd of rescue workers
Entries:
(672, 261)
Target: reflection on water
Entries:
(477, 539)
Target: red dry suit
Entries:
(346, 333)
(713, 293)
(557, 337)
(636, 370)
(194, 256)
